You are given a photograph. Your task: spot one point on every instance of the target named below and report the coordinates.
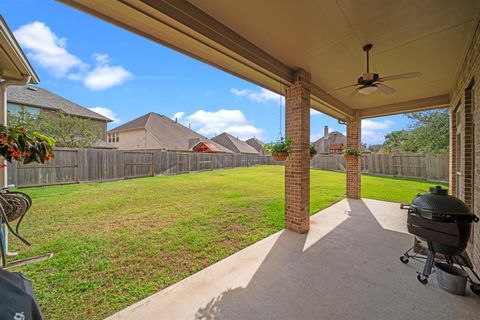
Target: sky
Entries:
(123, 76)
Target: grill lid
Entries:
(437, 202)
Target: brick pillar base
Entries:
(354, 168)
(297, 167)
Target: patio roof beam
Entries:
(183, 27)
(442, 101)
(13, 62)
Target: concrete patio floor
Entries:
(346, 267)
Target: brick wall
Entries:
(466, 97)
(297, 167)
(354, 167)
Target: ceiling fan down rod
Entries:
(367, 48)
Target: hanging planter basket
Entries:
(279, 156)
(350, 154)
(280, 150)
(22, 144)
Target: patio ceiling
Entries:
(265, 41)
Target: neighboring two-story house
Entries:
(154, 131)
(333, 142)
(34, 100)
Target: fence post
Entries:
(153, 164)
(78, 166)
(189, 162)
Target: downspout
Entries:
(3, 120)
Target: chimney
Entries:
(192, 142)
(325, 131)
(189, 125)
(176, 120)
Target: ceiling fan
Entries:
(370, 82)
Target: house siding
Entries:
(131, 140)
(465, 121)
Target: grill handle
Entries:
(404, 206)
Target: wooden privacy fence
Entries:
(85, 165)
(420, 166)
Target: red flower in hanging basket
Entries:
(25, 145)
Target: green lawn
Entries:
(118, 242)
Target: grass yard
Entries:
(118, 242)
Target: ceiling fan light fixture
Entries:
(366, 90)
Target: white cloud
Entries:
(210, 123)
(314, 112)
(50, 52)
(178, 115)
(374, 131)
(101, 58)
(105, 76)
(261, 96)
(106, 113)
(376, 125)
(47, 49)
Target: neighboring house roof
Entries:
(257, 144)
(169, 134)
(234, 144)
(206, 147)
(35, 96)
(333, 140)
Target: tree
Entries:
(68, 131)
(428, 132)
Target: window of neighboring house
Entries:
(15, 109)
(113, 137)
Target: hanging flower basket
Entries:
(25, 145)
(279, 156)
(351, 153)
(280, 150)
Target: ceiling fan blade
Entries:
(354, 92)
(341, 88)
(401, 76)
(385, 89)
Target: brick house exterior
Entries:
(465, 138)
(33, 99)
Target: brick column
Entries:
(468, 150)
(354, 168)
(453, 153)
(297, 167)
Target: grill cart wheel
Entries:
(475, 287)
(404, 259)
(422, 279)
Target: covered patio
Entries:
(346, 267)
(342, 262)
